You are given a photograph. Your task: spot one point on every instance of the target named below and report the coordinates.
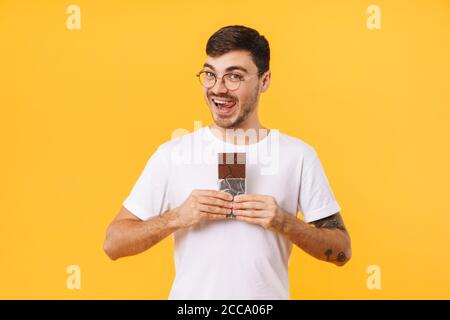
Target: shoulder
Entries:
(180, 140)
(297, 146)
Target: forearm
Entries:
(332, 245)
(130, 237)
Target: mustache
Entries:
(224, 96)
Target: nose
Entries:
(219, 87)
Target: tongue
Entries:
(229, 104)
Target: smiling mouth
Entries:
(226, 103)
(224, 106)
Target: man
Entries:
(245, 257)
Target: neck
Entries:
(232, 134)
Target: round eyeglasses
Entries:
(232, 81)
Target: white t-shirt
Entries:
(231, 259)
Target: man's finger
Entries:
(212, 216)
(249, 205)
(251, 213)
(213, 209)
(215, 194)
(215, 202)
(250, 197)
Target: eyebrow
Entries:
(231, 68)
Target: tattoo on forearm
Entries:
(341, 257)
(332, 222)
(328, 254)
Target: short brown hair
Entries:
(232, 38)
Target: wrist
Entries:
(281, 221)
(172, 218)
(290, 223)
(287, 221)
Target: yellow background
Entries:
(83, 110)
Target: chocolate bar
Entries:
(232, 174)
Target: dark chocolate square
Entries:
(231, 165)
(231, 172)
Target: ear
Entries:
(265, 81)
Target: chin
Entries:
(224, 123)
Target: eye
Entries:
(209, 74)
(234, 76)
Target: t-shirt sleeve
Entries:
(149, 196)
(316, 199)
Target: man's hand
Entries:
(203, 205)
(128, 235)
(259, 209)
(325, 239)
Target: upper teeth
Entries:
(220, 101)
